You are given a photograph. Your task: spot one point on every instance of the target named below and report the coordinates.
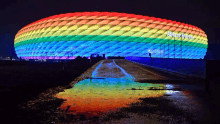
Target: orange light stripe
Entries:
(125, 23)
(167, 27)
(101, 13)
(144, 25)
(104, 22)
(93, 22)
(184, 27)
(83, 22)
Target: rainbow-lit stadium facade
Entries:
(67, 36)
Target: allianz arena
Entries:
(69, 35)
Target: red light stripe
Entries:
(109, 14)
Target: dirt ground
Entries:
(137, 71)
(109, 69)
(27, 90)
(44, 107)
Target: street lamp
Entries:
(69, 54)
(53, 55)
(174, 47)
(168, 49)
(72, 54)
(168, 54)
(160, 50)
(181, 47)
(46, 55)
(164, 53)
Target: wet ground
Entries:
(109, 92)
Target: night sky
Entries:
(203, 14)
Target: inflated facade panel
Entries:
(67, 36)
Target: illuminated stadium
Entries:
(69, 35)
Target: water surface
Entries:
(93, 97)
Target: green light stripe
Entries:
(109, 38)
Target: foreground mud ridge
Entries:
(107, 93)
(44, 107)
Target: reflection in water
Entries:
(169, 86)
(93, 97)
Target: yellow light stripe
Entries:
(151, 21)
(49, 33)
(85, 27)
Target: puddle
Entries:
(101, 94)
(94, 97)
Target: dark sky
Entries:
(204, 14)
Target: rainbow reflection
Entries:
(93, 97)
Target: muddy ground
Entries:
(109, 69)
(25, 83)
(34, 102)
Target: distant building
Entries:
(67, 36)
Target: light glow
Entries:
(94, 97)
(67, 36)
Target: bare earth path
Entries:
(137, 71)
(109, 69)
(176, 106)
(121, 68)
